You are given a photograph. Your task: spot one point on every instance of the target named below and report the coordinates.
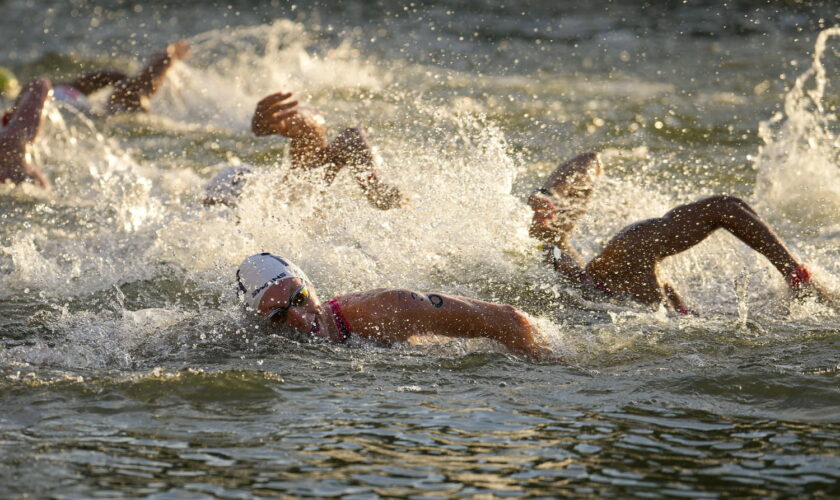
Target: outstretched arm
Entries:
(628, 263)
(397, 314)
(89, 83)
(132, 94)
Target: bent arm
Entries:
(131, 94)
(25, 121)
(95, 80)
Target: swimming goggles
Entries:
(297, 299)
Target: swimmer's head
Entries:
(259, 273)
(227, 186)
(9, 86)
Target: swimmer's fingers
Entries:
(283, 115)
(280, 107)
(271, 100)
(286, 123)
(264, 121)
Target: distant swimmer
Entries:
(627, 266)
(20, 133)
(276, 114)
(131, 93)
(21, 123)
(279, 293)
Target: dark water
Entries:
(127, 369)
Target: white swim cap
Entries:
(72, 96)
(259, 272)
(227, 186)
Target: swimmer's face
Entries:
(294, 304)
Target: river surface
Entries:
(127, 368)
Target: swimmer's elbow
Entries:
(518, 320)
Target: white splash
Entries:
(799, 164)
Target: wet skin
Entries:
(627, 266)
(278, 114)
(395, 315)
(130, 94)
(23, 128)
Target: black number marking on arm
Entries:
(436, 300)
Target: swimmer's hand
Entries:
(178, 50)
(818, 292)
(276, 115)
(385, 196)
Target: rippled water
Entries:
(127, 369)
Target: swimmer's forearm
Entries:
(676, 301)
(463, 317)
(26, 118)
(309, 151)
(151, 77)
(566, 261)
(95, 80)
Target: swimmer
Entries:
(22, 129)
(279, 293)
(276, 114)
(627, 266)
(131, 93)
(22, 122)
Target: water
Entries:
(127, 369)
